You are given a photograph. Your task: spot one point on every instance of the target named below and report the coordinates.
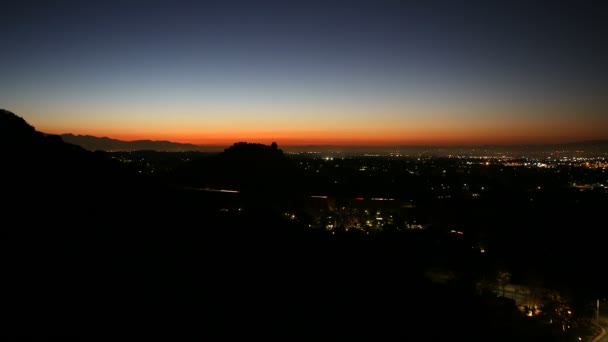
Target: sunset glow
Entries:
(366, 74)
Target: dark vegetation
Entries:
(91, 246)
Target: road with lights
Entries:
(603, 323)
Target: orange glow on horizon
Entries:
(380, 129)
(437, 138)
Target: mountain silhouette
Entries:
(55, 183)
(70, 217)
(93, 143)
(16, 133)
(256, 170)
(35, 155)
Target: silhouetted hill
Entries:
(17, 134)
(28, 152)
(254, 169)
(46, 176)
(92, 143)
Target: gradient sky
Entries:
(328, 72)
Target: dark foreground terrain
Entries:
(92, 251)
(221, 277)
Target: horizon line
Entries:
(371, 145)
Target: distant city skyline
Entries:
(347, 73)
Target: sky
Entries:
(311, 72)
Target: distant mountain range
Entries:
(92, 143)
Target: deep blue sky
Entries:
(364, 72)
